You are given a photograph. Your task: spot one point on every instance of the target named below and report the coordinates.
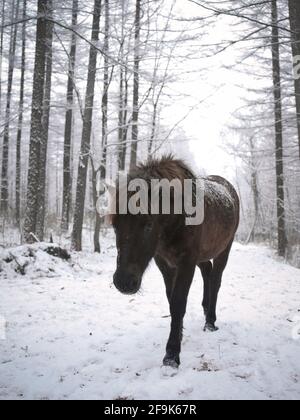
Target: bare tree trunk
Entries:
(104, 107)
(136, 86)
(153, 127)
(86, 134)
(67, 181)
(1, 50)
(20, 120)
(105, 92)
(156, 100)
(36, 121)
(255, 192)
(40, 224)
(123, 101)
(124, 123)
(282, 241)
(121, 116)
(95, 174)
(294, 8)
(5, 148)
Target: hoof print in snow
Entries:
(210, 327)
(206, 367)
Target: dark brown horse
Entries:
(177, 248)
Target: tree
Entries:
(123, 95)
(1, 49)
(294, 10)
(96, 176)
(136, 86)
(67, 178)
(86, 132)
(37, 127)
(282, 242)
(100, 173)
(5, 149)
(124, 76)
(159, 85)
(41, 193)
(20, 119)
(106, 83)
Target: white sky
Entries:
(207, 122)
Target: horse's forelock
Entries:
(165, 168)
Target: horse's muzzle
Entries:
(126, 283)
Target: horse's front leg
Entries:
(169, 275)
(178, 302)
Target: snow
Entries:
(32, 261)
(218, 193)
(73, 336)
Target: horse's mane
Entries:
(167, 167)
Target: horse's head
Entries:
(137, 238)
(143, 207)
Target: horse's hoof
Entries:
(210, 327)
(171, 362)
(169, 372)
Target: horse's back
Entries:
(221, 217)
(221, 192)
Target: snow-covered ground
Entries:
(66, 333)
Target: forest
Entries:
(90, 89)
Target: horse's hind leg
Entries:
(219, 266)
(206, 269)
(169, 275)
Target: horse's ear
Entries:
(109, 219)
(110, 211)
(111, 189)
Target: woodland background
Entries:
(85, 92)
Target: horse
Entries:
(177, 248)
